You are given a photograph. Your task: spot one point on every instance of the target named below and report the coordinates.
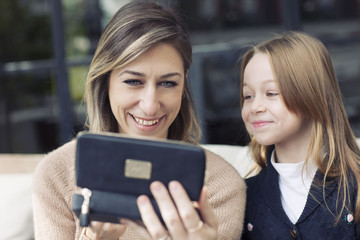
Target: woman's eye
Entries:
(133, 82)
(168, 84)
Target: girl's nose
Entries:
(257, 105)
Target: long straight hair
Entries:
(134, 29)
(305, 75)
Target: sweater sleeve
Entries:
(227, 196)
(52, 190)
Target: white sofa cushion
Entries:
(238, 156)
(16, 215)
(16, 220)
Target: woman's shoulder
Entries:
(54, 176)
(227, 195)
(218, 168)
(217, 163)
(58, 161)
(63, 154)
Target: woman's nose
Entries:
(149, 102)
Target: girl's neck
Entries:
(291, 155)
(294, 150)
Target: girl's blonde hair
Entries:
(134, 29)
(307, 82)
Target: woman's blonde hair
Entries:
(307, 82)
(134, 29)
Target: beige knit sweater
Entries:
(54, 184)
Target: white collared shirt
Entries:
(294, 184)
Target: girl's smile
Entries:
(264, 112)
(260, 123)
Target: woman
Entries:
(302, 142)
(137, 85)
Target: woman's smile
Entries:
(145, 94)
(142, 122)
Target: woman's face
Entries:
(145, 95)
(265, 114)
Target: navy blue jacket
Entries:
(265, 217)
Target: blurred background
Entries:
(46, 47)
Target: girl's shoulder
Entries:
(263, 175)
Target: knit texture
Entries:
(54, 185)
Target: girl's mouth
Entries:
(259, 124)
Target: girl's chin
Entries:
(264, 142)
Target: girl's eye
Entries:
(272, 94)
(247, 97)
(168, 84)
(133, 82)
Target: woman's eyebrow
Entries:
(171, 75)
(132, 73)
(139, 74)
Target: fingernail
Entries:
(174, 186)
(156, 186)
(142, 200)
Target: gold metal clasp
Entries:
(138, 169)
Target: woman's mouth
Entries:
(144, 122)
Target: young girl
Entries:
(309, 162)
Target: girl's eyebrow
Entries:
(270, 81)
(265, 82)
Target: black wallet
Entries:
(113, 170)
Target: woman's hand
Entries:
(108, 231)
(178, 212)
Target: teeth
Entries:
(146, 123)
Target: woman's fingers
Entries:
(149, 217)
(168, 210)
(189, 216)
(204, 227)
(178, 213)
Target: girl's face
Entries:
(145, 95)
(265, 115)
